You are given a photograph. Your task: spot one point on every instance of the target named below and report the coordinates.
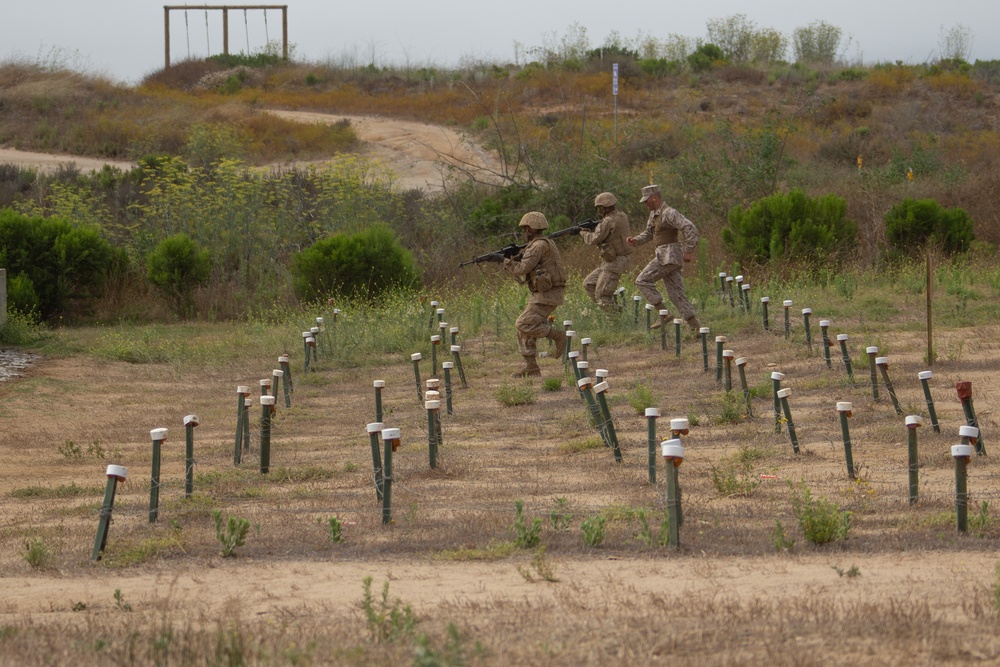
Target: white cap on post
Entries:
(119, 472)
(652, 412)
(720, 339)
(765, 299)
(871, 349)
(925, 375)
(375, 427)
(807, 311)
(390, 434)
(777, 376)
(267, 400)
(158, 434)
(242, 389)
(961, 451)
(787, 303)
(968, 432)
(784, 393)
(680, 424)
(824, 323)
(914, 420)
(416, 356)
(584, 341)
(881, 361)
(602, 372)
(704, 330)
(448, 364)
(379, 384)
(844, 406)
(191, 420)
(672, 449)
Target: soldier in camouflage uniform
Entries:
(540, 266)
(611, 236)
(664, 227)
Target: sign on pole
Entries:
(614, 91)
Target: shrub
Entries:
(51, 264)
(231, 533)
(521, 394)
(914, 222)
(525, 536)
(791, 225)
(361, 266)
(821, 520)
(176, 266)
(593, 530)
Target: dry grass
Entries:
(724, 597)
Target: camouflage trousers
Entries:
(532, 324)
(670, 274)
(603, 281)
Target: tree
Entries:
(914, 222)
(955, 43)
(817, 43)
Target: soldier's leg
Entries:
(532, 324)
(645, 282)
(590, 283)
(611, 273)
(673, 281)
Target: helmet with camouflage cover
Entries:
(534, 220)
(605, 199)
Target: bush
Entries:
(786, 226)
(361, 266)
(914, 222)
(821, 521)
(51, 265)
(176, 267)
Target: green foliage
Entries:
(525, 536)
(552, 384)
(640, 397)
(388, 620)
(559, 518)
(913, 222)
(704, 57)
(335, 533)
(120, 602)
(780, 539)
(734, 476)
(511, 395)
(820, 519)
(981, 520)
(593, 530)
(362, 266)
(816, 43)
(541, 567)
(230, 534)
(37, 552)
(454, 653)
(51, 264)
(21, 329)
(790, 226)
(177, 266)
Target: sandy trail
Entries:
(421, 155)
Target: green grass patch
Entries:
(492, 551)
(62, 491)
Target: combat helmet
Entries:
(534, 220)
(605, 199)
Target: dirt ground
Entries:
(911, 567)
(420, 154)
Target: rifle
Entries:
(587, 225)
(496, 256)
(513, 248)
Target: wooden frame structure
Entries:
(225, 24)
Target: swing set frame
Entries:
(225, 24)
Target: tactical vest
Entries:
(664, 234)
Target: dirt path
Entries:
(421, 155)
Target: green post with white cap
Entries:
(158, 435)
(190, 422)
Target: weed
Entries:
(552, 384)
(336, 533)
(640, 397)
(586, 444)
(733, 476)
(232, 535)
(645, 533)
(821, 520)
(559, 518)
(996, 586)
(79, 606)
(781, 541)
(37, 552)
(732, 409)
(541, 566)
(525, 537)
(454, 653)
(511, 395)
(120, 603)
(387, 620)
(492, 551)
(70, 450)
(981, 520)
(593, 530)
(852, 572)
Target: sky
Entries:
(124, 39)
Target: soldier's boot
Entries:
(558, 336)
(694, 323)
(530, 369)
(659, 320)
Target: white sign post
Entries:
(614, 91)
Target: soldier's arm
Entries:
(530, 258)
(688, 229)
(601, 232)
